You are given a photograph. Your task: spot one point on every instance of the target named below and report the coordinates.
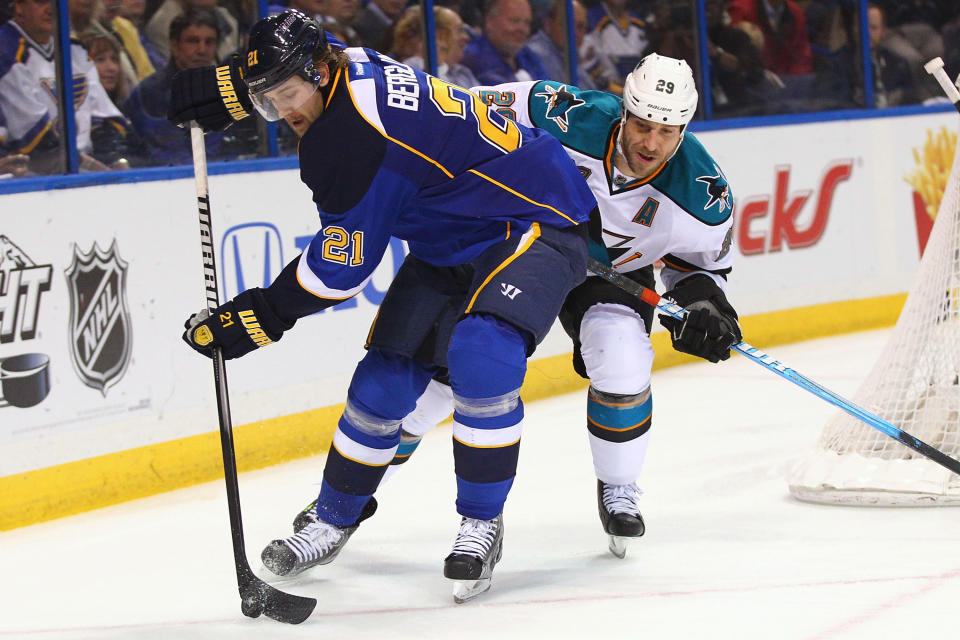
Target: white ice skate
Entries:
(620, 514)
(476, 551)
(315, 542)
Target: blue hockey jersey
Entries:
(400, 153)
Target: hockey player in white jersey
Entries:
(661, 197)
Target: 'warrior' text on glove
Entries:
(236, 328)
(215, 97)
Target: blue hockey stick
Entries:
(756, 355)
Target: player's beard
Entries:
(639, 167)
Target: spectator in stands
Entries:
(374, 22)
(343, 12)
(87, 21)
(194, 39)
(133, 12)
(158, 27)
(617, 39)
(128, 34)
(737, 77)
(28, 99)
(840, 81)
(105, 53)
(671, 30)
(12, 165)
(893, 83)
(912, 33)
(500, 53)
(951, 33)
(550, 43)
(406, 41)
(786, 49)
(452, 38)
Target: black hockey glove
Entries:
(710, 327)
(215, 97)
(237, 327)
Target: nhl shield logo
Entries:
(100, 334)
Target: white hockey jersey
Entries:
(28, 90)
(682, 214)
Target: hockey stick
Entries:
(256, 595)
(665, 305)
(935, 68)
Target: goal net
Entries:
(915, 383)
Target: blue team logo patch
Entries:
(560, 103)
(718, 191)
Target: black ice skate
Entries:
(315, 542)
(476, 551)
(620, 514)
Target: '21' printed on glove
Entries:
(236, 328)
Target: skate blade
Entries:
(464, 590)
(618, 546)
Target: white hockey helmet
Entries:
(661, 89)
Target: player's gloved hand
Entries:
(215, 97)
(710, 327)
(236, 328)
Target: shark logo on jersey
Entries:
(560, 103)
(586, 172)
(717, 189)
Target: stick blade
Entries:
(257, 597)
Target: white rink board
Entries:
(867, 248)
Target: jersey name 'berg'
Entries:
(407, 164)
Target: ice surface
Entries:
(728, 554)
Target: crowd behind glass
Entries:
(764, 57)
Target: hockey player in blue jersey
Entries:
(660, 197)
(494, 249)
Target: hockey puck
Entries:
(251, 607)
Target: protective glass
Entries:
(277, 102)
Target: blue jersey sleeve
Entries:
(349, 246)
(342, 257)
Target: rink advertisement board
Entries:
(96, 282)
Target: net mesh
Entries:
(915, 384)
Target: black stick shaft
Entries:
(257, 596)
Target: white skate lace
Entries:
(622, 498)
(314, 540)
(475, 537)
